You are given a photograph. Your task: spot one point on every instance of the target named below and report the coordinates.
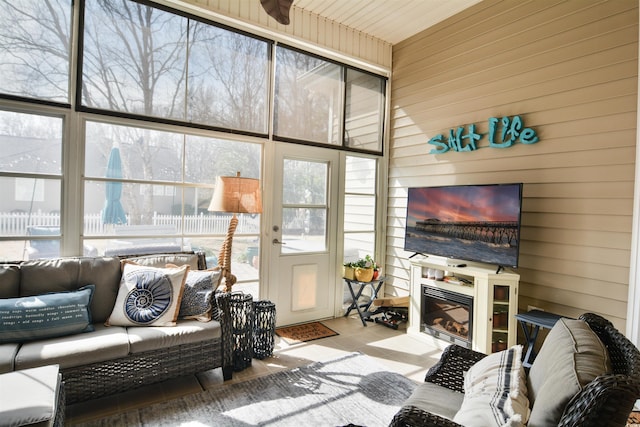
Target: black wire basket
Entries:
(264, 327)
(241, 308)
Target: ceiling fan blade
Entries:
(278, 9)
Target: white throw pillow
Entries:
(148, 296)
(495, 392)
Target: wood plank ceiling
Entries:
(388, 20)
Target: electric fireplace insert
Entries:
(447, 315)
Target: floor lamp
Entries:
(234, 194)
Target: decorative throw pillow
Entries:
(198, 291)
(46, 316)
(148, 296)
(495, 392)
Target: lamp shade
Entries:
(236, 194)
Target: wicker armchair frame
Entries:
(608, 400)
(604, 402)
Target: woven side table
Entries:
(241, 308)
(264, 328)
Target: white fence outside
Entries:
(17, 223)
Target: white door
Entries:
(302, 276)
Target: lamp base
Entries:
(225, 255)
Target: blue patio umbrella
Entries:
(113, 212)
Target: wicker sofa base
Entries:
(114, 376)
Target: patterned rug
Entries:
(305, 332)
(353, 388)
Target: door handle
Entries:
(277, 242)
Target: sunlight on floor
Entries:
(394, 349)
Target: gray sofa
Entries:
(587, 374)
(112, 359)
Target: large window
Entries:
(148, 190)
(308, 101)
(327, 103)
(364, 111)
(360, 200)
(35, 48)
(114, 126)
(146, 61)
(30, 185)
(228, 79)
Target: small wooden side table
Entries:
(531, 323)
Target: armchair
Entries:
(606, 400)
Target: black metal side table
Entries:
(531, 323)
(356, 288)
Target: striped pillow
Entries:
(495, 392)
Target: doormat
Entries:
(305, 332)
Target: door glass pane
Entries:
(304, 210)
(304, 182)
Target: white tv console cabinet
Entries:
(492, 292)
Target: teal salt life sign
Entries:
(502, 133)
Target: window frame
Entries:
(75, 116)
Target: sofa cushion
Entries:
(9, 281)
(75, 350)
(571, 356)
(45, 316)
(161, 260)
(198, 292)
(7, 355)
(148, 296)
(436, 400)
(148, 338)
(68, 274)
(495, 392)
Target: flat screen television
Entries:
(466, 222)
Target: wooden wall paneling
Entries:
(570, 69)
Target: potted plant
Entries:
(365, 268)
(348, 271)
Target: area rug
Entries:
(305, 332)
(351, 389)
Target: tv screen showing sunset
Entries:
(469, 222)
